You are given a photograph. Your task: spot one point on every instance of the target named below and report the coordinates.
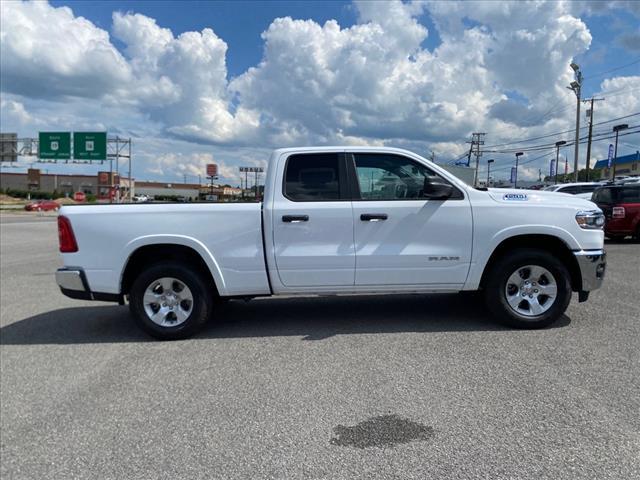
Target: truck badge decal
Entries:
(519, 197)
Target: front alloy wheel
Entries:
(531, 290)
(527, 288)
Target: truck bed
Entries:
(227, 236)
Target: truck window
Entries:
(312, 177)
(587, 188)
(630, 195)
(602, 195)
(392, 177)
(572, 190)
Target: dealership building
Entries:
(625, 165)
(100, 186)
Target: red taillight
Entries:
(65, 236)
(618, 212)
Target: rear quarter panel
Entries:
(227, 236)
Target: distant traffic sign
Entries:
(90, 145)
(54, 145)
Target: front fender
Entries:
(484, 248)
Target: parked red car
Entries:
(621, 207)
(42, 206)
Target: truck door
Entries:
(313, 222)
(401, 238)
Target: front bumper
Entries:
(593, 264)
(73, 283)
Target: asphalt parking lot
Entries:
(422, 387)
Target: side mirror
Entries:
(436, 191)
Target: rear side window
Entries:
(587, 188)
(572, 190)
(603, 195)
(313, 177)
(630, 195)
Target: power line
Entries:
(608, 136)
(555, 134)
(612, 70)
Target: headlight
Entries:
(590, 219)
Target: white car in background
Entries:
(581, 188)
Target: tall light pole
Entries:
(576, 85)
(489, 162)
(617, 128)
(518, 155)
(558, 145)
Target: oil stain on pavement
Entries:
(382, 431)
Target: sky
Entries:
(199, 82)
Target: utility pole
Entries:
(477, 139)
(576, 86)
(590, 115)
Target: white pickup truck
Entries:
(341, 220)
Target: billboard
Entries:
(54, 145)
(212, 170)
(552, 168)
(90, 145)
(252, 169)
(514, 174)
(8, 147)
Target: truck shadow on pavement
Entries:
(314, 318)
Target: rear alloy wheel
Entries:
(528, 288)
(170, 301)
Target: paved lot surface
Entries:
(369, 387)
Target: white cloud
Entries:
(47, 52)
(502, 67)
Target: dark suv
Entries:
(621, 207)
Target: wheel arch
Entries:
(549, 243)
(149, 253)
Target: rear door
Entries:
(313, 222)
(401, 238)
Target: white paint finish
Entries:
(320, 256)
(318, 252)
(544, 213)
(227, 236)
(408, 247)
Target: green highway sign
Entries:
(90, 145)
(54, 145)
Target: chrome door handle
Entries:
(295, 218)
(373, 217)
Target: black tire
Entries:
(496, 284)
(202, 305)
